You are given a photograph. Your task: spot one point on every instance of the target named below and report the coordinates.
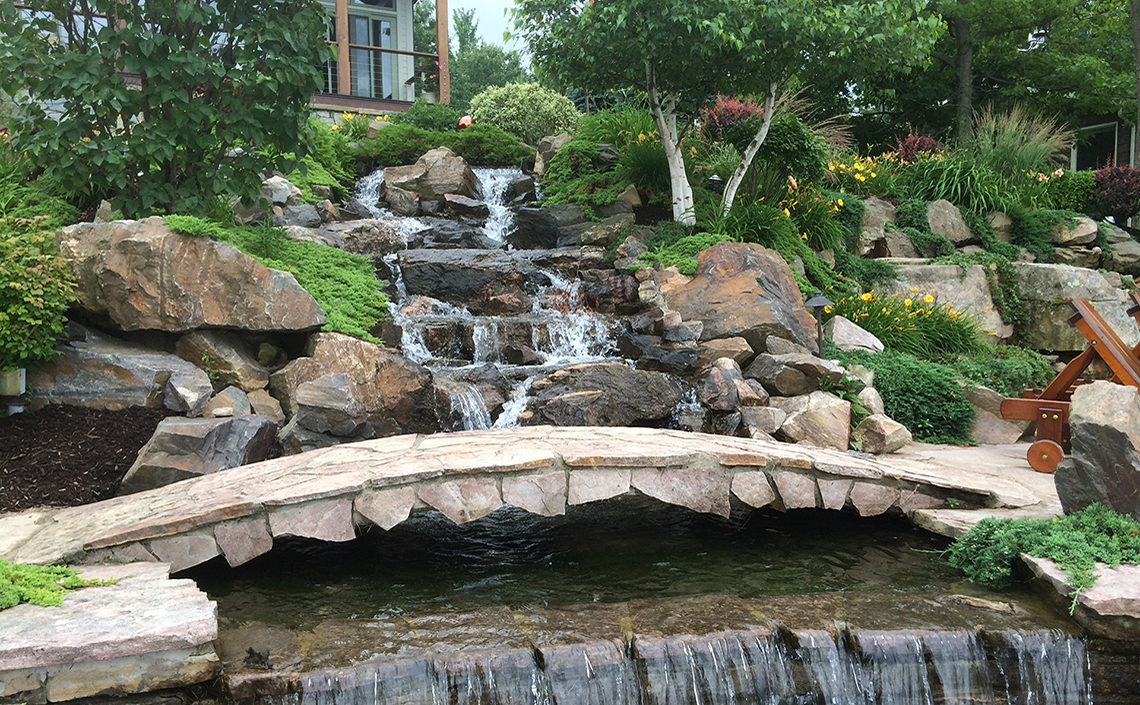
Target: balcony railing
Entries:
(380, 73)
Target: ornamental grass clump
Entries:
(1075, 542)
(916, 323)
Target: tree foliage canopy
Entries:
(150, 101)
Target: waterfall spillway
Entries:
(731, 668)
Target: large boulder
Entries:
(745, 290)
(434, 175)
(184, 448)
(100, 372)
(1125, 258)
(371, 236)
(849, 336)
(965, 290)
(565, 225)
(225, 357)
(817, 419)
(791, 374)
(879, 433)
(462, 276)
(547, 148)
(876, 214)
(1105, 463)
(381, 394)
(945, 219)
(602, 394)
(1046, 288)
(143, 275)
(1078, 231)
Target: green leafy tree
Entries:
(477, 65)
(166, 104)
(971, 24)
(683, 52)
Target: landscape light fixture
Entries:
(817, 302)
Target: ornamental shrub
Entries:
(213, 77)
(435, 117)
(343, 284)
(525, 109)
(486, 145)
(908, 148)
(793, 149)
(923, 396)
(731, 120)
(36, 287)
(1116, 192)
(1076, 542)
(574, 177)
(1070, 191)
(480, 145)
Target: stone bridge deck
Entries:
(328, 494)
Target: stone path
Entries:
(326, 494)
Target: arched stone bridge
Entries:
(328, 494)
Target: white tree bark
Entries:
(749, 153)
(666, 118)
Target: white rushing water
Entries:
(494, 183)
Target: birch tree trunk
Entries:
(753, 147)
(665, 116)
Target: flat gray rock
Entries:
(144, 632)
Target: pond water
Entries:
(613, 553)
(635, 602)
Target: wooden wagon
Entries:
(1049, 407)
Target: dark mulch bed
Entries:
(68, 455)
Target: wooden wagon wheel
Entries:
(1044, 455)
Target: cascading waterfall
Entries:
(509, 416)
(721, 669)
(367, 191)
(960, 663)
(574, 333)
(1053, 664)
(468, 412)
(501, 218)
(896, 668)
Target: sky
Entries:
(492, 21)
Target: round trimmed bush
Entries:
(525, 109)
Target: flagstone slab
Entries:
(543, 493)
(796, 491)
(541, 469)
(186, 550)
(143, 613)
(386, 508)
(834, 492)
(243, 540)
(463, 500)
(702, 489)
(872, 500)
(594, 485)
(753, 488)
(325, 520)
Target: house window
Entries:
(371, 69)
(1095, 147)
